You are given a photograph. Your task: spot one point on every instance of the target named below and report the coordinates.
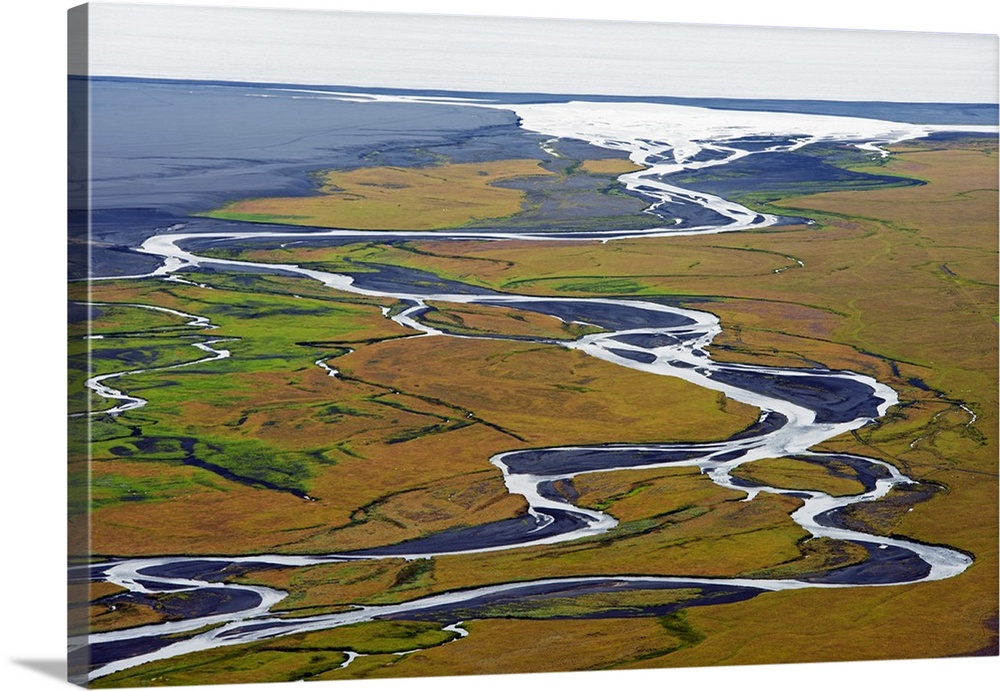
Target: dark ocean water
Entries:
(162, 150)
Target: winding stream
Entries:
(128, 402)
(800, 408)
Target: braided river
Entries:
(800, 408)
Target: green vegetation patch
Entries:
(599, 286)
(253, 462)
(618, 603)
(371, 638)
(245, 664)
(113, 488)
(111, 319)
(290, 658)
(104, 429)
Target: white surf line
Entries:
(642, 152)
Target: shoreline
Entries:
(972, 113)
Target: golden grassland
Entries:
(897, 283)
(482, 319)
(609, 166)
(873, 296)
(544, 393)
(124, 615)
(450, 195)
(671, 519)
(568, 644)
(833, 478)
(642, 266)
(388, 198)
(391, 647)
(395, 447)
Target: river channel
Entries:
(799, 407)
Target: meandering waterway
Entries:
(800, 408)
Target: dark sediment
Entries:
(509, 532)
(637, 356)
(767, 424)
(879, 517)
(566, 461)
(607, 315)
(100, 654)
(782, 173)
(833, 399)
(396, 279)
(885, 564)
(210, 570)
(864, 471)
(558, 490)
(646, 340)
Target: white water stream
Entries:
(685, 138)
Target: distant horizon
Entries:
(515, 95)
(528, 55)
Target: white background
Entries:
(32, 163)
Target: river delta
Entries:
(680, 361)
